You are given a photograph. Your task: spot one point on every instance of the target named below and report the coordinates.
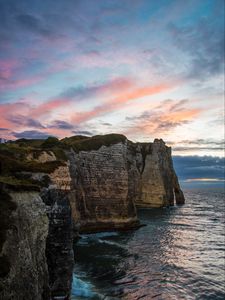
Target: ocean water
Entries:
(179, 254)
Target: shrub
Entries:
(50, 142)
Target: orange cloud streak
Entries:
(47, 107)
(163, 121)
(120, 101)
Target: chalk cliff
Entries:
(50, 189)
(151, 170)
(109, 182)
(100, 185)
(23, 272)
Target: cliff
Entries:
(24, 273)
(49, 189)
(36, 254)
(110, 180)
(100, 183)
(153, 176)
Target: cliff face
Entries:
(100, 189)
(59, 243)
(37, 251)
(55, 187)
(155, 181)
(36, 238)
(108, 183)
(23, 250)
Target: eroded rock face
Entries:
(59, 246)
(99, 197)
(24, 248)
(61, 178)
(157, 183)
(109, 182)
(36, 259)
(94, 190)
(42, 157)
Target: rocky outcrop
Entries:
(90, 184)
(153, 176)
(61, 177)
(41, 156)
(108, 183)
(36, 238)
(23, 250)
(100, 198)
(59, 246)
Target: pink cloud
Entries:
(48, 107)
(119, 101)
(162, 120)
(7, 68)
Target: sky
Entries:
(146, 69)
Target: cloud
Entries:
(201, 142)
(189, 167)
(61, 125)
(31, 134)
(24, 121)
(34, 24)
(116, 103)
(106, 124)
(162, 119)
(48, 107)
(197, 145)
(204, 180)
(82, 132)
(106, 88)
(203, 42)
(182, 149)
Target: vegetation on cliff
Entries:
(15, 166)
(82, 143)
(6, 208)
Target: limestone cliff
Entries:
(36, 256)
(24, 273)
(49, 189)
(59, 243)
(153, 176)
(109, 181)
(36, 237)
(100, 183)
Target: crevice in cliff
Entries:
(59, 244)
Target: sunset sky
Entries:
(146, 69)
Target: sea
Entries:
(178, 254)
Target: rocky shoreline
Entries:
(58, 189)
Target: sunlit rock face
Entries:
(157, 183)
(61, 178)
(108, 183)
(42, 157)
(100, 183)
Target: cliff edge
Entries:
(51, 189)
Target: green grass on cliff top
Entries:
(82, 143)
